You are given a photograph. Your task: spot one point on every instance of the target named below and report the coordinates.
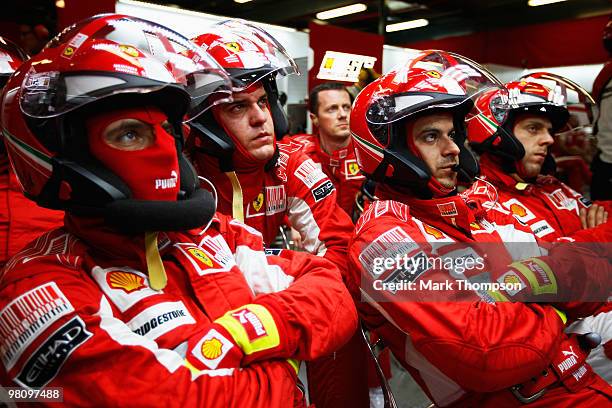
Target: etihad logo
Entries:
(433, 231)
(258, 202)
(212, 348)
(163, 184)
(128, 282)
(198, 254)
(518, 210)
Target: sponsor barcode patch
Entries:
(26, 317)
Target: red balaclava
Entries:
(437, 189)
(151, 173)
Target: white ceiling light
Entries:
(242, 1)
(60, 4)
(342, 11)
(534, 3)
(407, 25)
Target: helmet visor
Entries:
(113, 54)
(580, 104)
(430, 80)
(251, 53)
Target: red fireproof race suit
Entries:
(21, 221)
(467, 352)
(295, 187)
(551, 210)
(77, 311)
(548, 207)
(341, 167)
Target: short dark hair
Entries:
(313, 97)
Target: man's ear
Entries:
(314, 119)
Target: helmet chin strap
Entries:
(155, 266)
(237, 197)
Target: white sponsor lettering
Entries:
(160, 319)
(310, 173)
(541, 228)
(163, 184)
(276, 200)
(26, 317)
(391, 243)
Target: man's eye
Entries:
(452, 135)
(429, 138)
(263, 103)
(127, 137)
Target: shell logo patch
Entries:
(475, 225)
(511, 278)
(433, 74)
(233, 46)
(129, 50)
(127, 282)
(258, 202)
(212, 348)
(200, 256)
(432, 231)
(518, 210)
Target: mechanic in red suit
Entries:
(146, 296)
(332, 145)
(465, 347)
(265, 182)
(329, 105)
(515, 158)
(20, 220)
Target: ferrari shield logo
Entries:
(68, 51)
(233, 46)
(258, 202)
(329, 63)
(129, 50)
(351, 169)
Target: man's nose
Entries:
(258, 115)
(547, 138)
(450, 148)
